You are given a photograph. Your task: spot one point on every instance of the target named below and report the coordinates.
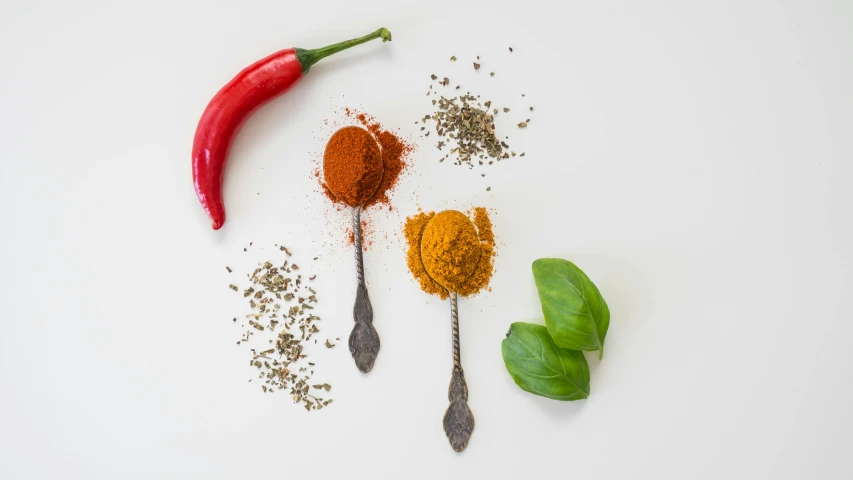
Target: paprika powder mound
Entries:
(395, 151)
(352, 165)
(448, 235)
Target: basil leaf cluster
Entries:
(549, 360)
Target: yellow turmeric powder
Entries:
(450, 249)
(457, 254)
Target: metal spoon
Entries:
(363, 341)
(458, 419)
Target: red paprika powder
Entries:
(394, 151)
(352, 166)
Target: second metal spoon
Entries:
(458, 419)
(363, 341)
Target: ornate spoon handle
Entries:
(363, 341)
(458, 419)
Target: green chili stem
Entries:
(307, 58)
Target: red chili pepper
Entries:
(253, 87)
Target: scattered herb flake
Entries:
(285, 333)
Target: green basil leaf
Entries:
(540, 367)
(575, 312)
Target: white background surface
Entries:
(694, 158)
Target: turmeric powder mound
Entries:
(450, 249)
(459, 256)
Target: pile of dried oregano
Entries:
(280, 324)
(469, 124)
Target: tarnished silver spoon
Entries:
(450, 224)
(363, 341)
(359, 146)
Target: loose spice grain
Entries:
(286, 331)
(471, 126)
(474, 127)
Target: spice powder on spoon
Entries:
(352, 166)
(477, 281)
(394, 153)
